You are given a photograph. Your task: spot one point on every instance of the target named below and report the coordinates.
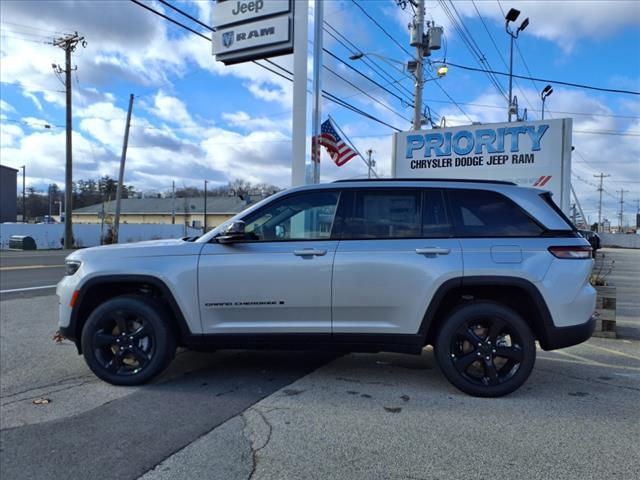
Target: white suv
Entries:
(480, 270)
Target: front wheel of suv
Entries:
(485, 349)
(128, 340)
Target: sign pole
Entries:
(317, 85)
(299, 128)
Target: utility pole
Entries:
(68, 43)
(418, 41)
(24, 195)
(49, 219)
(621, 214)
(369, 162)
(123, 157)
(601, 176)
(204, 225)
(173, 202)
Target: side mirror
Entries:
(233, 233)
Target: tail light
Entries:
(579, 252)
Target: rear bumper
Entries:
(560, 337)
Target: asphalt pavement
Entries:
(277, 415)
(22, 270)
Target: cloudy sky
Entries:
(196, 119)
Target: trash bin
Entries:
(22, 242)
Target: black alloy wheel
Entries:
(485, 349)
(127, 340)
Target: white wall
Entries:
(49, 236)
(619, 240)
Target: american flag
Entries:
(337, 149)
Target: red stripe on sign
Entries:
(538, 181)
(544, 182)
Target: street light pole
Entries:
(548, 90)
(511, 75)
(511, 16)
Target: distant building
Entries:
(8, 194)
(188, 211)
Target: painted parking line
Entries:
(571, 358)
(609, 350)
(29, 267)
(26, 289)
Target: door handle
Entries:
(433, 251)
(307, 252)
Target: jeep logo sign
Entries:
(231, 12)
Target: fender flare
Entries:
(74, 329)
(542, 320)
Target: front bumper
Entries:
(560, 337)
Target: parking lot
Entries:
(242, 414)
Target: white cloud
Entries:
(171, 109)
(6, 107)
(565, 23)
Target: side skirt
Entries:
(342, 342)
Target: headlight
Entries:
(72, 266)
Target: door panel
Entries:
(393, 256)
(384, 286)
(278, 279)
(265, 287)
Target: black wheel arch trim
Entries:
(549, 336)
(73, 331)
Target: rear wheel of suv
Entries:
(485, 349)
(128, 340)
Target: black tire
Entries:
(128, 340)
(485, 349)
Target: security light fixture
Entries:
(356, 56)
(512, 15)
(442, 71)
(523, 25)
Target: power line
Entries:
(559, 82)
(473, 47)
(365, 93)
(353, 49)
(326, 94)
(383, 29)
(408, 53)
(504, 62)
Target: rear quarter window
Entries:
(483, 213)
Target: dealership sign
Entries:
(251, 30)
(536, 154)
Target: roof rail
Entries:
(461, 180)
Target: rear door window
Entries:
(379, 214)
(482, 213)
(435, 221)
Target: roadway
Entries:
(240, 414)
(21, 270)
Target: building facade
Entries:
(181, 211)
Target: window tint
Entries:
(308, 216)
(435, 222)
(481, 213)
(384, 214)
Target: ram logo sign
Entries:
(227, 39)
(534, 154)
(252, 29)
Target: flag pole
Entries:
(351, 144)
